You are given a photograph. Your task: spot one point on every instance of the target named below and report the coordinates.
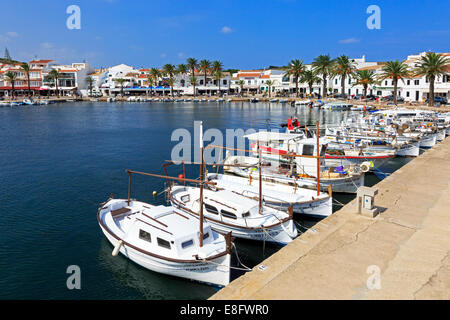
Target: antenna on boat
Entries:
(201, 184)
(318, 159)
(260, 179)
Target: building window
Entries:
(407, 94)
(408, 82)
(225, 82)
(335, 81)
(416, 82)
(145, 235)
(163, 243)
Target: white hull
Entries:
(342, 185)
(411, 150)
(440, 136)
(428, 141)
(281, 233)
(317, 209)
(348, 161)
(216, 272)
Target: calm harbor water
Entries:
(58, 162)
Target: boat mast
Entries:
(318, 159)
(260, 179)
(201, 184)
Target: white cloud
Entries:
(12, 34)
(180, 54)
(349, 40)
(226, 30)
(163, 55)
(46, 45)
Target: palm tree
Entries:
(170, 70)
(121, 81)
(192, 64)
(182, 69)
(54, 75)
(218, 76)
(270, 83)
(394, 70)
(364, 78)
(241, 83)
(216, 66)
(295, 69)
(323, 65)
(204, 67)
(344, 67)
(309, 77)
(150, 83)
(155, 73)
(431, 66)
(11, 77)
(90, 82)
(26, 69)
(193, 81)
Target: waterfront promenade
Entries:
(336, 259)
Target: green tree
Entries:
(120, 81)
(394, 70)
(193, 81)
(431, 66)
(241, 83)
(218, 75)
(323, 65)
(295, 69)
(150, 82)
(205, 65)
(183, 70)
(170, 71)
(364, 78)
(54, 75)
(12, 78)
(90, 82)
(25, 67)
(192, 64)
(343, 67)
(309, 77)
(270, 83)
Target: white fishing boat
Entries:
(341, 180)
(227, 211)
(303, 201)
(273, 100)
(162, 240)
(293, 159)
(28, 102)
(428, 141)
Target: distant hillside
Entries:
(3, 60)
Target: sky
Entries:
(243, 34)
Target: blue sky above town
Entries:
(243, 34)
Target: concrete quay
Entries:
(403, 253)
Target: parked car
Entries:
(391, 98)
(440, 100)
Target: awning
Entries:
(437, 90)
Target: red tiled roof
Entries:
(240, 75)
(41, 61)
(265, 76)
